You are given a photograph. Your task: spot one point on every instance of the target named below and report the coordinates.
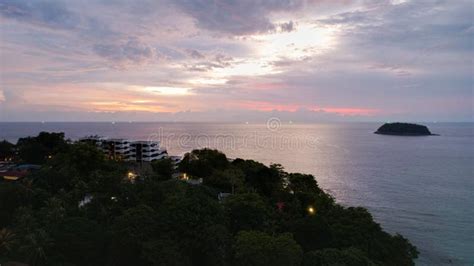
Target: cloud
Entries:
(131, 52)
(50, 14)
(208, 63)
(11, 97)
(236, 17)
(59, 113)
(194, 54)
(287, 26)
(409, 26)
(354, 18)
(407, 58)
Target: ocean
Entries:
(420, 187)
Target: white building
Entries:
(175, 160)
(118, 149)
(126, 150)
(147, 151)
(94, 140)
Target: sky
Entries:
(236, 60)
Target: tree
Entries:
(33, 242)
(164, 251)
(7, 241)
(170, 222)
(253, 248)
(267, 181)
(227, 180)
(197, 222)
(52, 213)
(79, 241)
(330, 256)
(201, 163)
(39, 149)
(80, 167)
(164, 168)
(12, 196)
(301, 183)
(246, 211)
(129, 232)
(34, 247)
(355, 227)
(7, 150)
(83, 158)
(312, 232)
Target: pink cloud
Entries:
(348, 111)
(268, 106)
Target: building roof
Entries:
(13, 175)
(145, 142)
(93, 138)
(27, 167)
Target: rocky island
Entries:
(403, 129)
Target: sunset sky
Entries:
(236, 60)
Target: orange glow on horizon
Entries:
(348, 111)
(267, 107)
(171, 100)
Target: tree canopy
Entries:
(7, 150)
(37, 150)
(80, 209)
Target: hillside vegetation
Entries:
(272, 218)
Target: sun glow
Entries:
(306, 41)
(116, 106)
(247, 68)
(208, 81)
(172, 91)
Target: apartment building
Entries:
(126, 150)
(147, 151)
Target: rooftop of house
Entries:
(13, 175)
(145, 142)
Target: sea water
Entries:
(420, 187)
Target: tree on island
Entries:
(403, 129)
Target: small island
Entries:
(403, 129)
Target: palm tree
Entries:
(35, 245)
(7, 239)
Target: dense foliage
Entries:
(7, 150)
(272, 217)
(39, 149)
